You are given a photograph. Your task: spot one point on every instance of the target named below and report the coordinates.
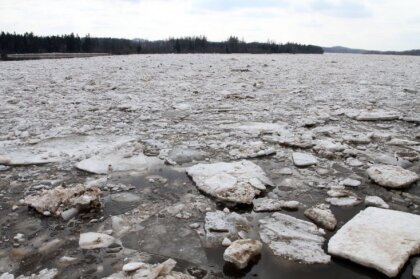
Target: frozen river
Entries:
(133, 128)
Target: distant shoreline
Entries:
(54, 55)
(344, 50)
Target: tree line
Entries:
(11, 43)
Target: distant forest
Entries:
(30, 43)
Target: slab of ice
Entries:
(375, 201)
(60, 149)
(392, 176)
(303, 159)
(351, 182)
(293, 238)
(185, 155)
(377, 115)
(266, 204)
(329, 145)
(344, 201)
(232, 182)
(117, 161)
(382, 239)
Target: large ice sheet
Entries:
(379, 238)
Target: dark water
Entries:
(269, 265)
(178, 184)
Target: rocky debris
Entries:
(351, 182)
(237, 182)
(148, 271)
(241, 251)
(370, 239)
(220, 225)
(375, 201)
(117, 161)
(416, 268)
(322, 216)
(293, 238)
(58, 200)
(392, 176)
(43, 274)
(92, 240)
(378, 115)
(267, 204)
(303, 159)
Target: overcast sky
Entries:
(368, 24)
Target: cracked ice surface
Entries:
(349, 112)
(167, 100)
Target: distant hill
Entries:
(341, 49)
(414, 52)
